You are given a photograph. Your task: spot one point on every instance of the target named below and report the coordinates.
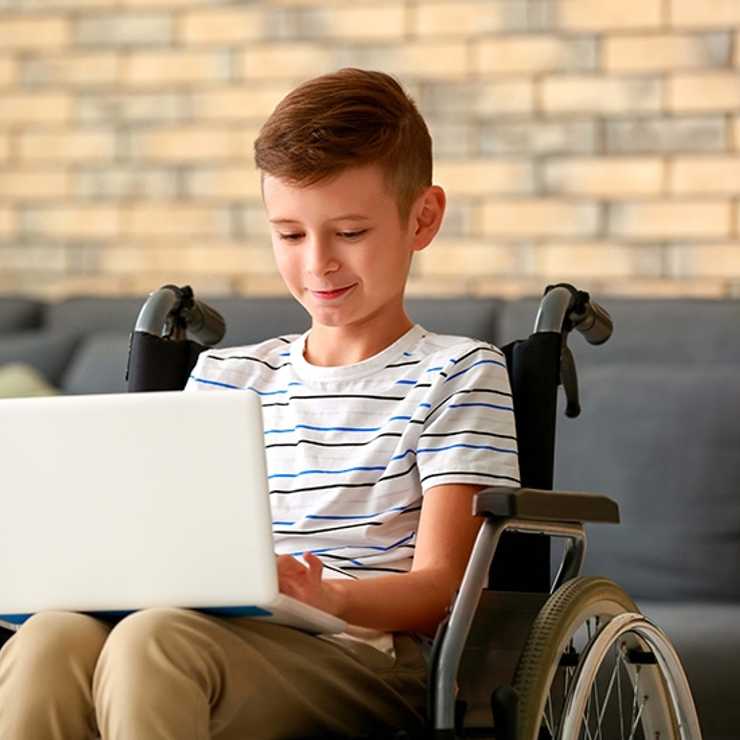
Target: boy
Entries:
(378, 434)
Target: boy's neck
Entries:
(330, 346)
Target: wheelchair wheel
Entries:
(594, 667)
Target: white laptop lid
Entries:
(126, 501)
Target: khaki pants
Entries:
(177, 674)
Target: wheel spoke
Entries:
(637, 719)
(608, 694)
(620, 659)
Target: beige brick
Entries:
(32, 259)
(608, 15)
(483, 177)
(238, 103)
(175, 67)
(662, 288)
(7, 221)
(431, 60)
(461, 18)
(8, 71)
(216, 258)
(225, 182)
(4, 147)
(539, 217)
(186, 144)
(35, 32)
(677, 219)
(206, 285)
(532, 54)
(72, 69)
(593, 94)
(604, 176)
(33, 185)
(465, 258)
(707, 13)
(124, 29)
(36, 108)
(705, 175)
(72, 222)
(135, 180)
(260, 286)
(508, 288)
(504, 98)
(704, 92)
(366, 22)
(67, 146)
(704, 260)
(221, 25)
(175, 219)
(656, 52)
(427, 287)
(292, 60)
(565, 262)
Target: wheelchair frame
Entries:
(160, 340)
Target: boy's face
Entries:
(345, 234)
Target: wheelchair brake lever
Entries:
(569, 381)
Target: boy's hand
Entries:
(305, 584)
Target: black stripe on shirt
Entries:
(332, 444)
(369, 484)
(481, 348)
(466, 390)
(327, 529)
(469, 472)
(468, 431)
(248, 357)
(343, 395)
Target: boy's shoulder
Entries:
(454, 346)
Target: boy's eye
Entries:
(344, 234)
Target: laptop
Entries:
(120, 502)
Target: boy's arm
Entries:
(416, 601)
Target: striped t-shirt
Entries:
(351, 449)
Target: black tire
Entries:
(563, 614)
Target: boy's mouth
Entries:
(329, 294)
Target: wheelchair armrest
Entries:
(532, 503)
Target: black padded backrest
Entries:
(522, 561)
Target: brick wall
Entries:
(586, 140)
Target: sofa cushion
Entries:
(19, 314)
(18, 380)
(48, 351)
(90, 314)
(663, 440)
(99, 365)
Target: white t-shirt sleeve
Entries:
(469, 435)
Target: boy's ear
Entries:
(426, 216)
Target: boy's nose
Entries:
(320, 257)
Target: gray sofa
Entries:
(658, 433)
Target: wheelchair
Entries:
(520, 655)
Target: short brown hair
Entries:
(351, 118)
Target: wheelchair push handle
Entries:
(594, 323)
(562, 309)
(170, 312)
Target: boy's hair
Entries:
(351, 118)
